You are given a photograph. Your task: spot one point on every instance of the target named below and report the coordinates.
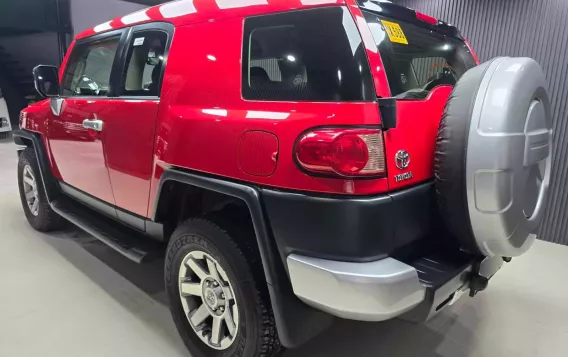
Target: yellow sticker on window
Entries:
(395, 33)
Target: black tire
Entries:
(256, 334)
(46, 219)
(450, 157)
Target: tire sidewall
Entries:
(243, 288)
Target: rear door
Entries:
(130, 127)
(76, 133)
(422, 65)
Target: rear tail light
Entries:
(429, 19)
(343, 152)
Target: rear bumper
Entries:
(374, 291)
(349, 229)
(371, 291)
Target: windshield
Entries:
(416, 59)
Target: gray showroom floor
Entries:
(66, 294)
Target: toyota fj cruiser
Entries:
(301, 160)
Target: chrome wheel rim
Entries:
(208, 300)
(30, 190)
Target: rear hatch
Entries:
(423, 59)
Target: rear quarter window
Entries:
(308, 55)
(424, 61)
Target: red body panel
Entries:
(78, 152)
(129, 143)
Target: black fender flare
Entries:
(296, 322)
(24, 137)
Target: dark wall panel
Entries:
(533, 28)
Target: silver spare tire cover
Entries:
(492, 161)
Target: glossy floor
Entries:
(66, 294)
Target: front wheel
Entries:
(218, 299)
(32, 194)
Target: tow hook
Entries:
(483, 270)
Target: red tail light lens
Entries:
(429, 19)
(343, 152)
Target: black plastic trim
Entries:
(88, 200)
(20, 137)
(128, 242)
(131, 219)
(122, 216)
(387, 107)
(354, 229)
(296, 322)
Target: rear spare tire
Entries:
(492, 162)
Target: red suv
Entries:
(299, 159)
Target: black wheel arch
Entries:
(296, 322)
(27, 138)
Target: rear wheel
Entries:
(217, 297)
(32, 194)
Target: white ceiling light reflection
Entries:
(255, 114)
(291, 58)
(103, 27)
(217, 112)
(366, 35)
(377, 32)
(135, 17)
(211, 58)
(231, 4)
(177, 8)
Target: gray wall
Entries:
(88, 13)
(532, 28)
(34, 49)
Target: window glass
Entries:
(89, 68)
(309, 55)
(144, 63)
(428, 59)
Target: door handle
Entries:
(93, 124)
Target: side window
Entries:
(308, 55)
(89, 68)
(142, 76)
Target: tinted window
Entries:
(89, 67)
(428, 59)
(144, 63)
(310, 55)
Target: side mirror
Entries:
(46, 80)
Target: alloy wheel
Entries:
(30, 190)
(208, 300)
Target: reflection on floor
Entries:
(66, 294)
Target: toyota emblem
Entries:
(402, 159)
